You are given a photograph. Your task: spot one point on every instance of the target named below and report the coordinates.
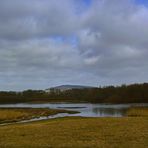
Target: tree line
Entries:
(135, 93)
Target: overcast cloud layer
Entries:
(44, 43)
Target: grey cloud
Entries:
(116, 32)
(32, 19)
(47, 43)
(39, 54)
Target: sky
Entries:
(45, 43)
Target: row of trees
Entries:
(136, 93)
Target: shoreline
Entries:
(18, 115)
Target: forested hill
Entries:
(136, 93)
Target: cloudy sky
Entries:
(45, 43)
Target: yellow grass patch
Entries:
(77, 132)
(18, 114)
(138, 111)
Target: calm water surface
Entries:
(85, 109)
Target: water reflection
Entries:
(85, 109)
(111, 112)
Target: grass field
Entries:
(77, 132)
(8, 115)
(138, 111)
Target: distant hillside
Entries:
(68, 87)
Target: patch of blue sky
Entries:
(142, 2)
(58, 39)
(70, 39)
(82, 5)
(73, 40)
(87, 2)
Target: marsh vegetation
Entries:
(74, 132)
(138, 112)
(78, 132)
(9, 115)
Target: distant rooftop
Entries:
(68, 87)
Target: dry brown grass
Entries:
(138, 111)
(77, 132)
(18, 114)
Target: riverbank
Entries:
(76, 132)
(10, 115)
(138, 112)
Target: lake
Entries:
(85, 109)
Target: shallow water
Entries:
(85, 109)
